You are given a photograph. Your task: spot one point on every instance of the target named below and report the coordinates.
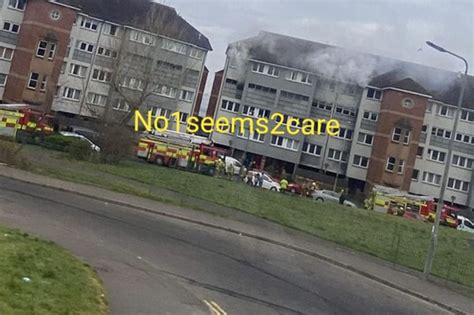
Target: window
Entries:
(322, 105)
(299, 77)
(302, 99)
(424, 128)
(88, 47)
(121, 105)
(106, 52)
(33, 82)
(52, 51)
(89, 24)
(431, 178)
(345, 133)
(265, 69)
(255, 112)
(71, 94)
(295, 121)
(429, 107)
(55, 15)
(337, 155)
(445, 111)
(285, 143)
(439, 132)
(312, 149)
(467, 116)
(374, 94)
(257, 87)
(165, 90)
(436, 156)
(173, 46)
(457, 184)
(406, 136)
(257, 137)
(345, 111)
(101, 75)
(370, 116)
(183, 117)
(419, 151)
(186, 95)
(78, 70)
(17, 4)
(3, 79)
(230, 106)
(11, 27)
(462, 161)
(360, 161)
(6, 53)
(390, 166)
(44, 83)
(401, 166)
(163, 65)
(365, 138)
(196, 53)
(396, 134)
(57, 91)
(460, 137)
(414, 174)
(111, 30)
(156, 111)
(41, 50)
(96, 99)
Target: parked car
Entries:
(94, 147)
(295, 188)
(268, 182)
(464, 224)
(330, 196)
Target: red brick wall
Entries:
(38, 25)
(202, 86)
(216, 85)
(394, 114)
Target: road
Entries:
(156, 265)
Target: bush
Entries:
(79, 150)
(10, 153)
(57, 142)
(116, 143)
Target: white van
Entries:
(464, 224)
(237, 165)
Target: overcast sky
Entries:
(396, 28)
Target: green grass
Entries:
(395, 239)
(60, 284)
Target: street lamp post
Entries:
(434, 231)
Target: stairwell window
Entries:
(17, 4)
(370, 116)
(401, 166)
(374, 94)
(390, 166)
(33, 81)
(365, 138)
(52, 51)
(3, 79)
(360, 161)
(44, 83)
(41, 50)
(337, 155)
(89, 24)
(406, 136)
(312, 149)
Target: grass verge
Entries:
(38, 277)
(398, 240)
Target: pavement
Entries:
(157, 258)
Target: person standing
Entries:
(283, 185)
(342, 197)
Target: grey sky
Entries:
(395, 29)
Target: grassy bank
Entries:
(395, 239)
(38, 277)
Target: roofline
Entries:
(65, 5)
(406, 91)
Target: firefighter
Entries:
(230, 171)
(342, 197)
(283, 185)
(243, 173)
(219, 167)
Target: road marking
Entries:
(218, 307)
(214, 308)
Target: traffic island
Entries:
(39, 277)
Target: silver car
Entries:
(330, 196)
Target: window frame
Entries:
(36, 81)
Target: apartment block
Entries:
(396, 123)
(90, 59)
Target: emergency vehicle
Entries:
(180, 152)
(397, 202)
(24, 123)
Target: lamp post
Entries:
(434, 231)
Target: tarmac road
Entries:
(156, 265)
